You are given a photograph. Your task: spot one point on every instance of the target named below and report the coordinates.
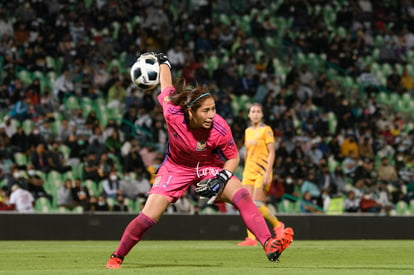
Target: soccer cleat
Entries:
(287, 237)
(248, 242)
(273, 249)
(279, 229)
(114, 262)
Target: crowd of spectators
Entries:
(68, 104)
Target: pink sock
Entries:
(133, 233)
(251, 216)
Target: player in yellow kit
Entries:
(258, 172)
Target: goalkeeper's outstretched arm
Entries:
(165, 71)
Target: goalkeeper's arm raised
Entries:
(165, 71)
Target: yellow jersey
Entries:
(257, 154)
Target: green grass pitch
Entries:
(208, 257)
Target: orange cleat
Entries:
(287, 237)
(114, 262)
(273, 249)
(248, 242)
(279, 229)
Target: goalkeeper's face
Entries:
(203, 116)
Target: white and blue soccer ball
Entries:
(145, 72)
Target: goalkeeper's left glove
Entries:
(210, 188)
(163, 59)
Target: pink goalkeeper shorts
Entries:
(173, 180)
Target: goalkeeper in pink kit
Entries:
(201, 151)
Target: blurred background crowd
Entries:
(336, 79)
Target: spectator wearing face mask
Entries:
(111, 185)
(17, 179)
(120, 205)
(98, 204)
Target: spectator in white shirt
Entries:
(63, 86)
(176, 57)
(22, 200)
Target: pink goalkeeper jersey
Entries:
(195, 147)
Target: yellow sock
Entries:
(250, 235)
(265, 211)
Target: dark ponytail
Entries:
(188, 97)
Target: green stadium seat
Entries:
(136, 20)
(78, 171)
(115, 26)
(3, 182)
(403, 106)
(94, 188)
(65, 150)
(43, 205)
(51, 76)
(77, 209)
(411, 207)
(375, 54)
(332, 164)
(27, 126)
(50, 62)
(272, 42)
(111, 202)
(41, 174)
(25, 76)
(329, 16)
(244, 23)
(54, 176)
(20, 158)
(87, 105)
(287, 206)
(103, 118)
(378, 41)
(63, 209)
(392, 99)
(224, 18)
(336, 206)
(71, 103)
(402, 208)
(212, 64)
(382, 98)
(68, 175)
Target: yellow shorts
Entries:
(257, 182)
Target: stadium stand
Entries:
(334, 65)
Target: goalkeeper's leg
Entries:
(133, 233)
(131, 236)
(255, 222)
(250, 215)
(278, 226)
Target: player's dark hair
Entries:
(189, 97)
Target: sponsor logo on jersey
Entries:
(166, 99)
(201, 146)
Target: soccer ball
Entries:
(145, 72)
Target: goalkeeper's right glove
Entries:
(210, 188)
(163, 59)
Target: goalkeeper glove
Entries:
(163, 59)
(210, 188)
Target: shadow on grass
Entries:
(170, 265)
